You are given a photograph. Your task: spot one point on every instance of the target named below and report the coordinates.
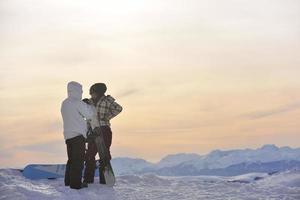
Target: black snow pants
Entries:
(76, 151)
(90, 162)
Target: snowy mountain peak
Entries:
(127, 165)
(176, 159)
(269, 147)
(217, 153)
(286, 148)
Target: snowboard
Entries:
(48, 171)
(41, 171)
(109, 176)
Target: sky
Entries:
(192, 75)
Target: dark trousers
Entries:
(76, 151)
(90, 163)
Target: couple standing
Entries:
(77, 115)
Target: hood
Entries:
(74, 90)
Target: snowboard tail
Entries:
(52, 171)
(108, 173)
(37, 171)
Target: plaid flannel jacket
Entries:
(107, 109)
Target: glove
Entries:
(97, 131)
(86, 100)
(91, 136)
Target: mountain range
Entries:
(269, 158)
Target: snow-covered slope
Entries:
(286, 185)
(129, 165)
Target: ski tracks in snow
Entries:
(13, 186)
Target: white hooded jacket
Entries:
(75, 113)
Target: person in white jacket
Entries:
(75, 113)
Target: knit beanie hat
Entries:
(98, 88)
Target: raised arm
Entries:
(114, 108)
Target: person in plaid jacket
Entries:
(106, 108)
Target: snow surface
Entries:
(285, 185)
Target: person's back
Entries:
(74, 123)
(74, 113)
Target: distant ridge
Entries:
(268, 158)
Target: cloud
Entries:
(54, 126)
(127, 93)
(6, 153)
(52, 147)
(272, 112)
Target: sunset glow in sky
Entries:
(191, 75)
